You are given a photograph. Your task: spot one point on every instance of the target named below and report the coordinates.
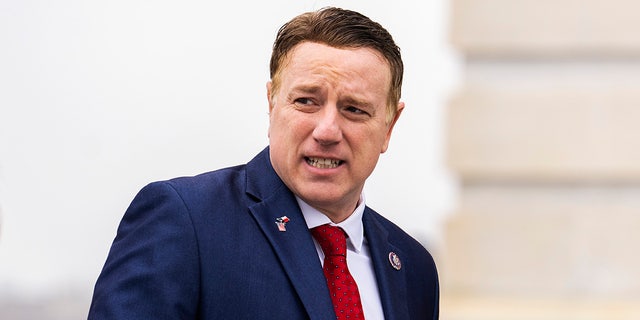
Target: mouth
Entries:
(323, 163)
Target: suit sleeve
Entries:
(152, 271)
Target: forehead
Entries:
(355, 66)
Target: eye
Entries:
(303, 101)
(352, 109)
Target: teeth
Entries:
(323, 163)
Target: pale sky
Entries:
(99, 98)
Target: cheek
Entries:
(283, 128)
(376, 142)
(278, 123)
(294, 123)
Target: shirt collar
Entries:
(352, 225)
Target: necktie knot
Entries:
(332, 240)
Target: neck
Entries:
(337, 215)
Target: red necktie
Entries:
(342, 286)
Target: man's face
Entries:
(328, 124)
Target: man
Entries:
(244, 242)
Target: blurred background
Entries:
(543, 137)
(516, 161)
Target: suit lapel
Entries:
(294, 247)
(391, 282)
(297, 253)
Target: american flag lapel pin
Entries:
(282, 223)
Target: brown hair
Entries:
(339, 28)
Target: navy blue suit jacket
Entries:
(208, 247)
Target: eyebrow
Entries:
(311, 89)
(358, 102)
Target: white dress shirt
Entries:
(358, 255)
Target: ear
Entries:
(390, 126)
(271, 105)
(269, 97)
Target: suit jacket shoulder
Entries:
(406, 272)
(207, 247)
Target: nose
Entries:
(327, 130)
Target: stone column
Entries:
(544, 137)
